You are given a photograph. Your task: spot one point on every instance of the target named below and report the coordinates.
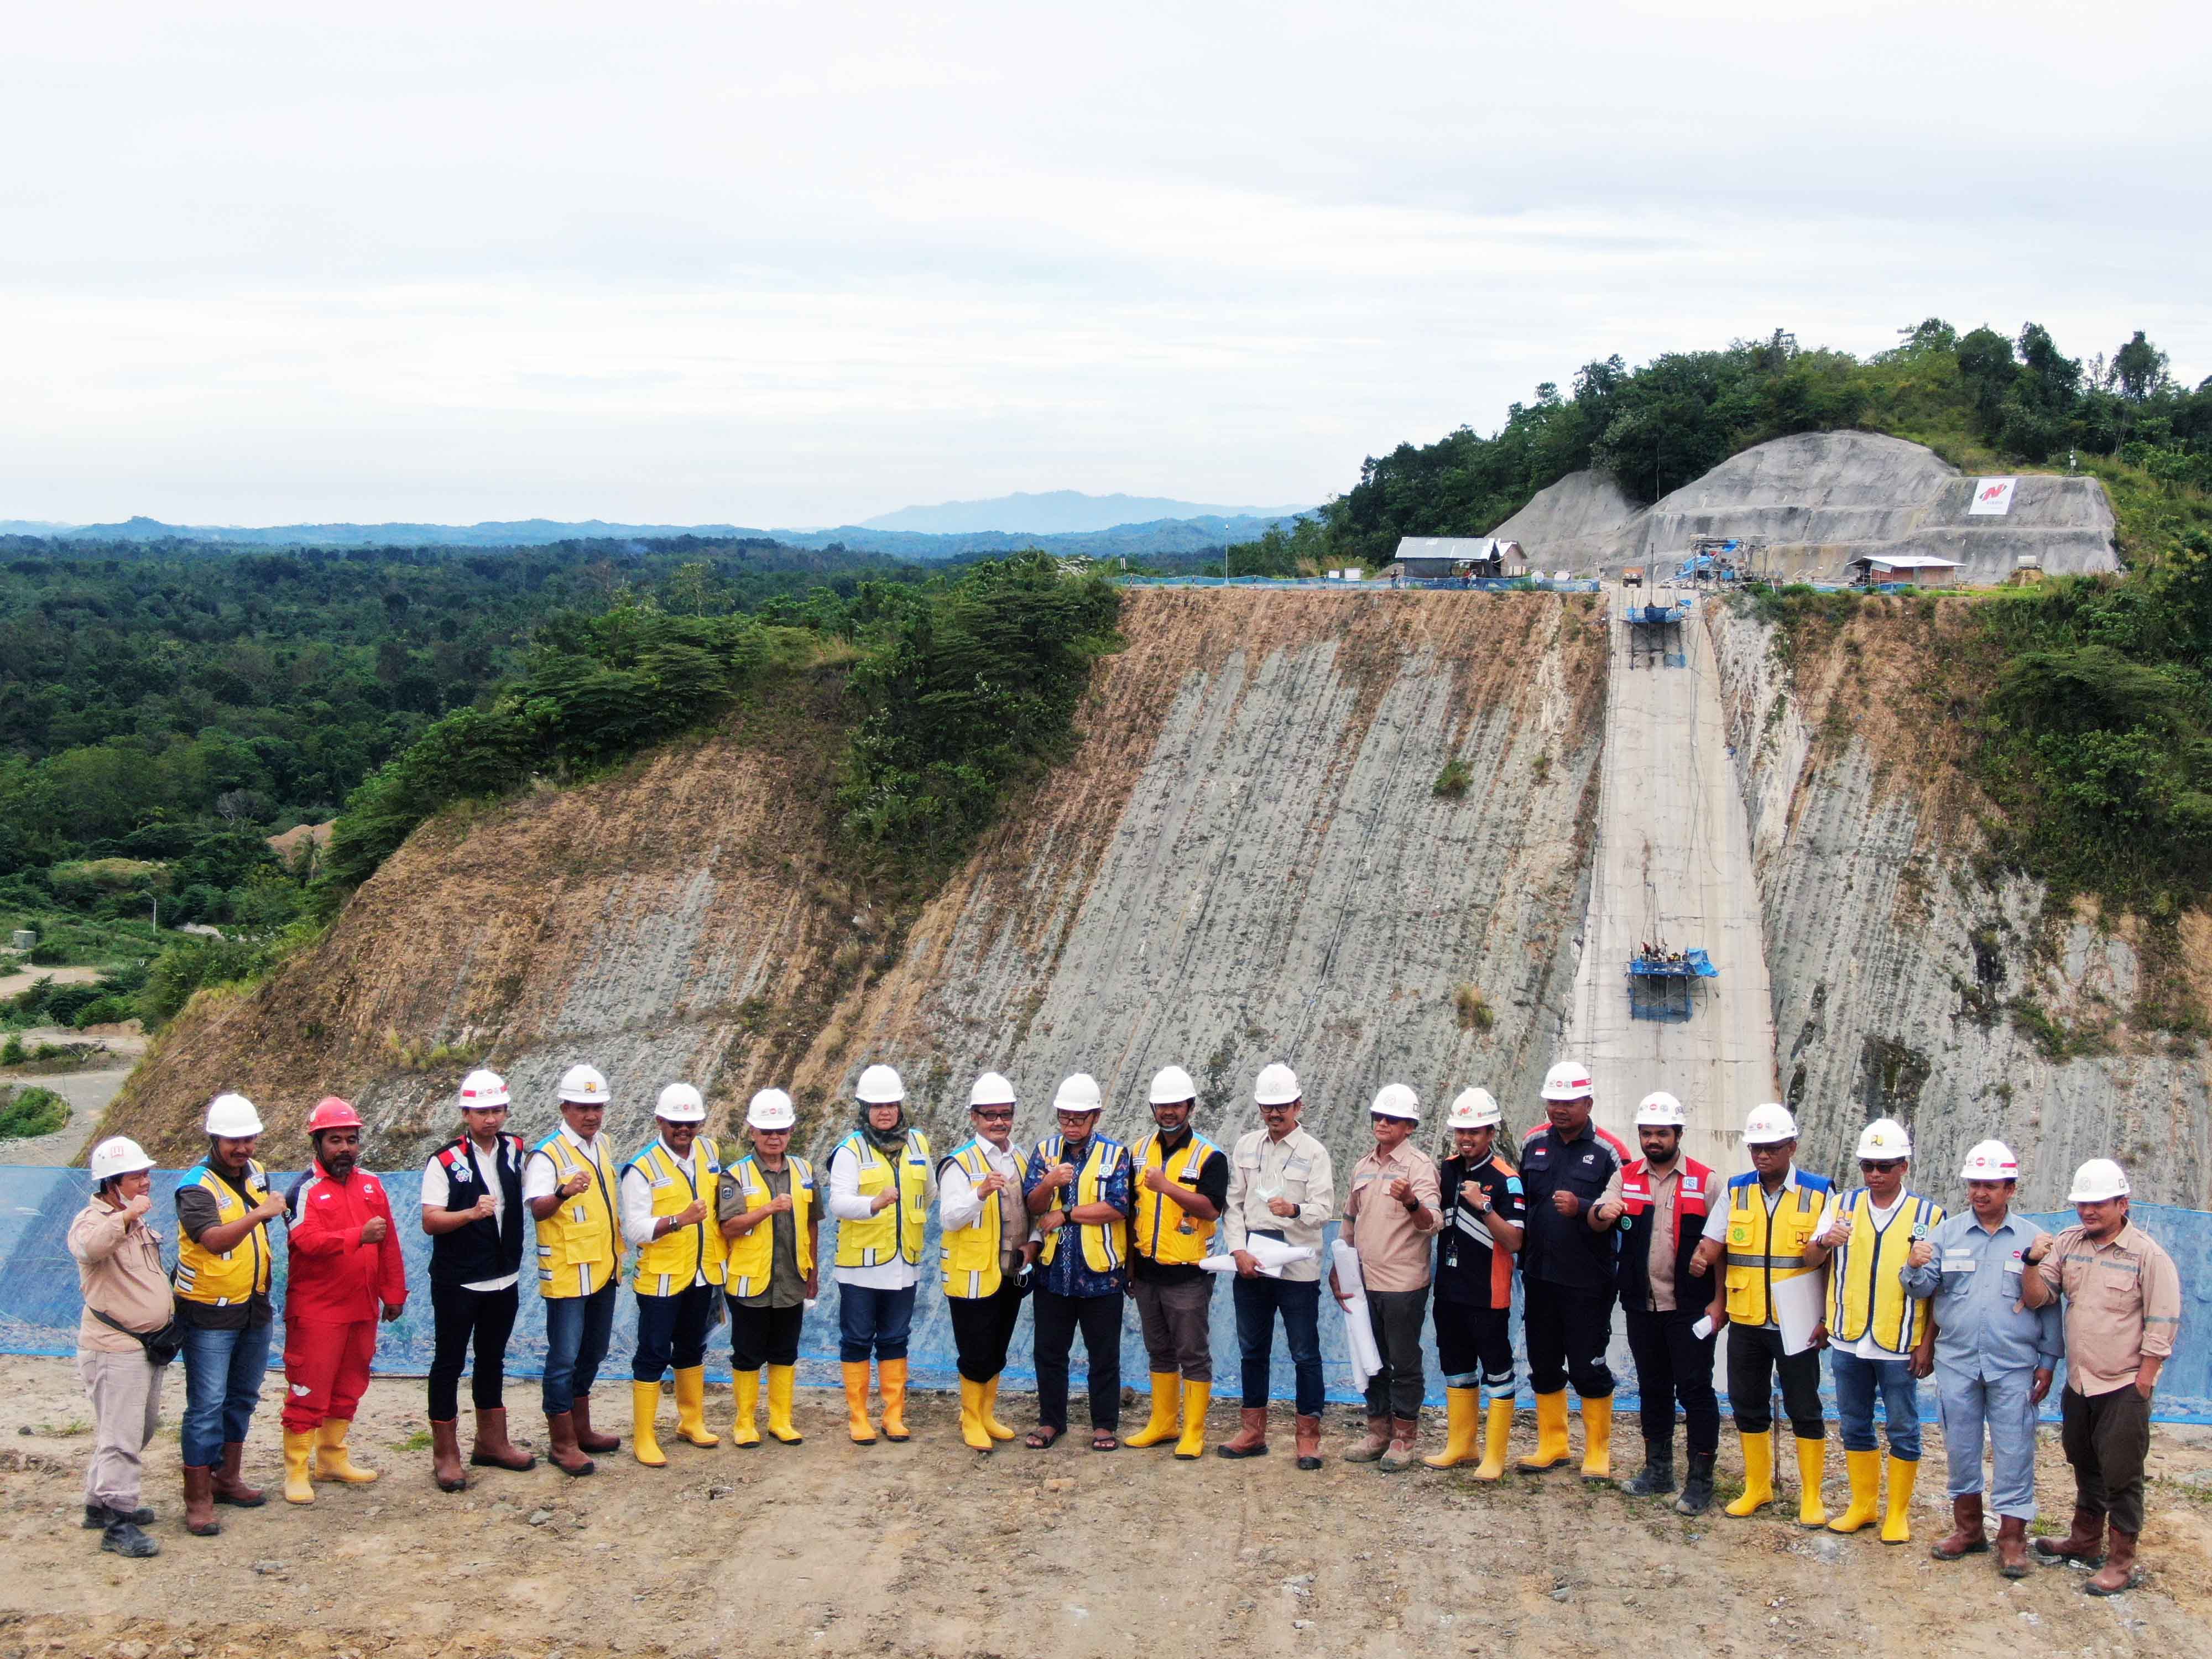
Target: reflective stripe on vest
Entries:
(673, 1262)
(752, 1256)
(971, 1253)
(577, 1248)
(1105, 1243)
(1867, 1292)
(895, 1233)
(1757, 1262)
(216, 1279)
(1165, 1231)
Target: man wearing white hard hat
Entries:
(671, 1214)
(1570, 1175)
(1993, 1356)
(770, 1216)
(881, 1183)
(1877, 1234)
(2122, 1300)
(569, 1188)
(1766, 1237)
(989, 1246)
(1664, 1287)
(126, 1301)
(224, 1207)
(1485, 1220)
(1392, 1207)
(1182, 1186)
(1281, 1186)
(472, 1211)
(1077, 1189)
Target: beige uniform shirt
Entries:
(1295, 1168)
(2122, 1302)
(1392, 1241)
(1665, 1190)
(118, 1268)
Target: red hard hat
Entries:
(331, 1113)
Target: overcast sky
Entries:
(787, 265)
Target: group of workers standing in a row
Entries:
(1894, 1287)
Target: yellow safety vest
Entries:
(578, 1248)
(1105, 1243)
(1867, 1289)
(971, 1253)
(752, 1256)
(1756, 1263)
(1166, 1232)
(668, 1265)
(894, 1232)
(239, 1272)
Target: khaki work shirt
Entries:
(1392, 1241)
(1665, 1190)
(2122, 1302)
(1295, 1168)
(118, 1268)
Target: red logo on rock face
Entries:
(1992, 492)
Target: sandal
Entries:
(1103, 1440)
(1041, 1436)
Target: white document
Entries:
(1272, 1254)
(1359, 1332)
(1800, 1303)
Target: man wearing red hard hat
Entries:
(345, 1263)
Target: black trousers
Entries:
(1673, 1363)
(459, 1319)
(1754, 1359)
(1567, 1330)
(1394, 1316)
(2106, 1437)
(1474, 1347)
(671, 1330)
(983, 1328)
(764, 1336)
(1058, 1318)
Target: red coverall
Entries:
(333, 1284)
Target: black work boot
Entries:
(1696, 1487)
(1657, 1477)
(123, 1538)
(98, 1517)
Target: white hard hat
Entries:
(1396, 1100)
(991, 1089)
(2098, 1180)
(1474, 1108)
(118, 1155)
(1768, 1124)
(770, 1109)
(1171, 1086)
(1568, 1080)
(679, 1103)
(233, 1117)
(1078, 1092)
(1991, 1160)
(879, 1085)
(582, 1085)
(1883, 1140)
(483, 1090)
(1278, 1086)
(1659, 1110)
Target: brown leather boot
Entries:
(565, 1454)
(1370, 1449)
(1404, 1432)
(2119, 1573)
(200, 1503)
(493, 1449)
(446, 1456)
(589, 1438)
(2012, 1547)
(229, 1487)
(2086, 1542)
(1250, 1440)
(1966, 1537)
(1308, 1443)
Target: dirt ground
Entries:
(927, 1549)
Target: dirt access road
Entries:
(927, 1549)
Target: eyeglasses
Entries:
(1883, 1167)
(1005, 1116)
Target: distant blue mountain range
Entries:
(1058, 512)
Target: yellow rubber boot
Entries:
(1462, 1428)
(992, 1426)
(1163, 1425)
(1758, 1474)
(331, 1460)
(1897, 1517)
(856, 1402)
(691, 1405)
(299, 1451)
(1863, 1468)
(1812, 1467)
(890, 1376)
(644, 1407)
(971, 1417)
(1597, 1438)
(1551, 1432)
(781, 1379)
(1496, 1434)
(1196, 1397)
(744, 1428)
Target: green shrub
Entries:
(1453, 780)
(31, 1110)
(1472, 1008)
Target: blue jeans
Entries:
(1258, 1301)
(1857, 1382)
(577, 1329)
(2001, 1405)
(873, 1322)
(671, 1332)
(223, 1384)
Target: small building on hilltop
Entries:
(1912, 569)
(1432, 557)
